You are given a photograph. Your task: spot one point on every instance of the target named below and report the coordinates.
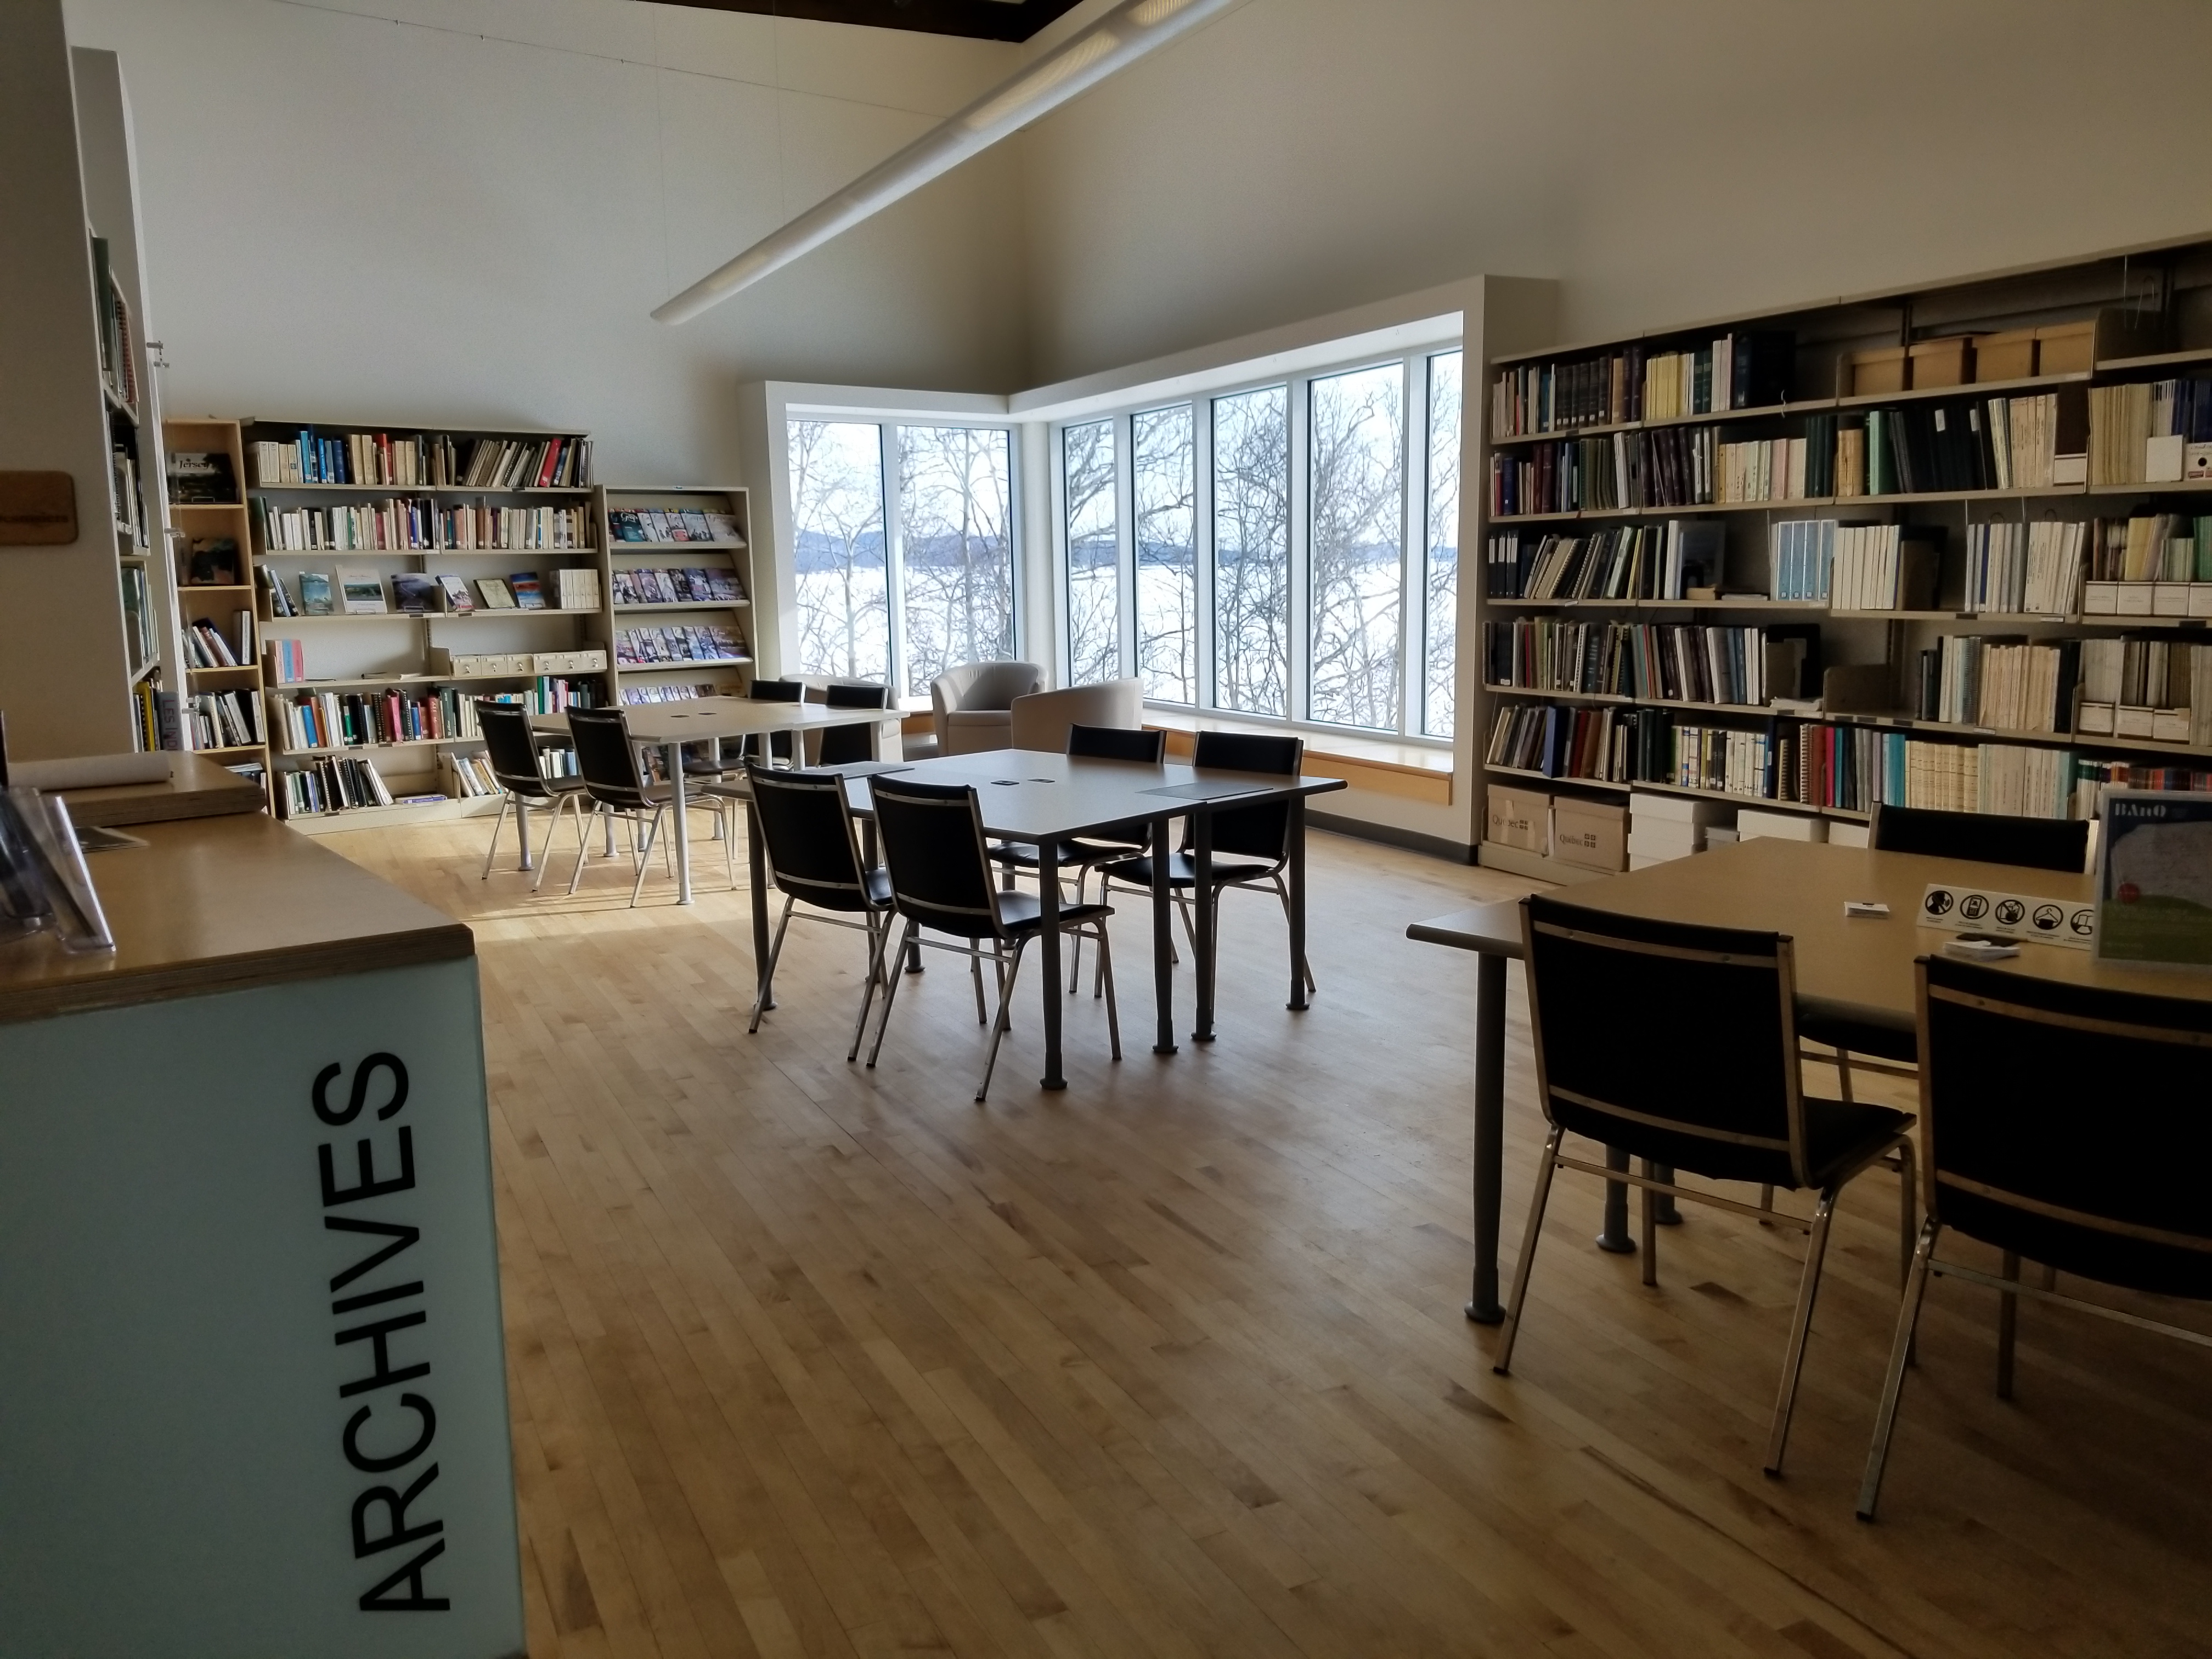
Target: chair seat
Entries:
(547, 788)
(1182, 871)
(1021, 917)
(1021, 855)
(1860, 1037)
(1840, 1137)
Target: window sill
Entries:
(1381, 765)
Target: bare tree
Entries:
(1356, 487)
(957, 567)
(1094, 575)
(1164, 482)
(1252, 550)
(837, 516)
(1441, 585)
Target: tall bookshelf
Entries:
(392, 688)
(221, 713)
(1595, 442)
(678, 634)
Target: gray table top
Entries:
(700, 718)
(1492, 928)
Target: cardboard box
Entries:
(1590, 836)
(2164, 459)
(1886, 369)
(2169, 725)
(1718, 835)
(2135, 721)
(1750, 825)
(2200, 598)
(2007, 356)
(1517, 817)
(569, 662)
(2136, 599)
(2066, 347)
(470, 664)
(1658, 845)
(2101, 599)
(1849, 835)
(2170, 598)
(1677, 809)
(1945, 362)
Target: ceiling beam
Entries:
(978, 20)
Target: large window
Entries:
(899, 587)
(1292, 549)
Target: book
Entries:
(493, 591)
(363, 591)
(211, 562)
(414, 592)
(459, 599)
(527, 595)
(315, 595)
(201, 478)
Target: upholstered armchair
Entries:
(973, 704)
(1040, 720)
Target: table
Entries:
(1041, 799)
(196, 787)
(1856, 969)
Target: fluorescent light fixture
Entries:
(1120, 38)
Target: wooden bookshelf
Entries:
(201, 527)
(2150, 313)
(727, 675)
(436, 530)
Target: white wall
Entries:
(462, 210)
(1667, 162)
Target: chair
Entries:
(1987, 837)
(775, 746)
(972, 705)
(814, 857)
(1256, 840)
(1609, 1000)
(1040, 720)
(606, 754)
(512, 751)
(2064, 1124)
(940, 877)
(842, 746)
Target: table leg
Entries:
(678, 826)
(522, 832)
(756, 867)
(1048, 965)
(1163, 937)
(1615, 1236)
(1484, 1307)
(1663, 1212)
(1202, 859)
(1296, 881)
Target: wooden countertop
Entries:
(219, 904)
(197, 788)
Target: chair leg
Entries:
(569, 800)
(1908, 1209)
(1075, 938)
(645, 854)
(878, 936)
(1283, 892)
(1651, 1212)
(1106, 968)
(1002, 1024)
(506, 801)
(2007, 1325)
(1843, 1073)
(1501, 1363)
(584, 846)
(768, 975)
(1800, 1326)
(891, 993)
(1766, 1200)
(975, 974)
(1908, 1318)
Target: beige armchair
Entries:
(1040, 720)
(973, 704)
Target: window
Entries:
(1292, 550)
(1094, 559)
(947, 597)
(1164, 476)
(1252, 551)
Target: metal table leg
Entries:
(522, 832)
(1484, 1307)
(679, 827)
(1615, 1236)
(1163, 938)
(1297, 884)
(1048, 966)
(1201, 855)
(756, 867)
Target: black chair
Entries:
(2064, 1124)
(607, 757)
(940, 877)
(511, 750)
(841, 745)
(1609, 1000)
(814, 857)
(1986, 837)
(773, 746)
(1251, 844)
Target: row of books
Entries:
(116, 366)
(354, 720)
(671, 692)
(2155, 547)
(206, 646)
(2151, 432)
(130, 511)
(152, 718)
(138, 631)
(688, 585)
(1745, 370)
(468, 776)
(2147, 673)
(435, 461)
(1886, 567)
(357, 592)
(692, 642)
(224, 720)
(2015, 567)
(1666, 662)
(417, 525)
(1673, 466)
(336, 783)
(2010, 684)
(481, 528)
(686, 523)
(1628, 561)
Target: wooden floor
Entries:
(810, 1359)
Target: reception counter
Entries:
(253, 1391)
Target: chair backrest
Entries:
(806, 829)
(606, 758)
(1989, 837)
(970, 686)
(510, 747)
(1673, 1042)
(933, 840)
(1252, 832)
(2069, 1123)
(1040, 720)
(1114, 743)
(839, 744)
(777, 744)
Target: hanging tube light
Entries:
(1121, 37)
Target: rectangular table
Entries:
(1041, 799)
(1851, 969)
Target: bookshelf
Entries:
(394, 569)
(687, 636)
(2036, 426)
(221, 710)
